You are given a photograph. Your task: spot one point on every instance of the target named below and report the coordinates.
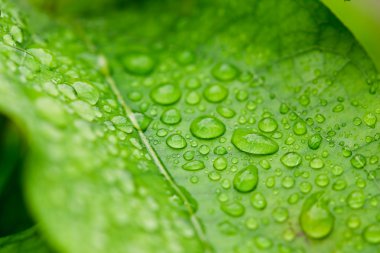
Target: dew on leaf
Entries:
(258, 200)
(246, 180)
(370, 120)
(166, 94)
(86, 92)
(353, 222)
(171, 116)
(220, 150)
(234, 209)
(186, 57)
(316, 220)
(189, 155)
(372, 233)
(339, 185)
(291, 159)
(67, 91)
(193, 98)
(220, 163)
(207, 127)
(316, 163)
(356, 199)
(193, 165)
(138, 64)
(299, 127)
(314, 141)
(253, 143)
(268, 125)
(322, 180)
(225, 112)
(358, 161)
(225, 72)
(143, 120)
(204, 149)
(215, 93)
(176, 141)
(280, 214)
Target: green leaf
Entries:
(202, 126)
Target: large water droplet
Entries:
(176, 141)
(225, 72)
(316, 220)
(139, 64)
(253, 143)
(215, 93)
(291, 159)
(246, 179)
(207, 127)
(171, 116)
(166, 94)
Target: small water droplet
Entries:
(258, 200)
(268, 125)
(234, 209)
(299, 127)
(225, 112)
(358, 161)
(317, 163)
(250, 142)
(193, 165)
(139, 64)
(291, 159)
(86, 92)
(207, 127)
(166, 94)
(246, 180)
(356, 199)
(215, 93)
(225, 72)
(314, 141)
(220, 163)
(372, 233)
(370, 120)
(171, 116)
(280, 214)
(176, 141)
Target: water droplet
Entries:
(67, 91)
(193, 98)
(142, 120)
(267, 125)
(246, 180)
(188, 155)
(284, 108)
(258, 200)
(358, 161)
(193, 165)
(291, 159)
(43, 56)
(215, 93)
(322, 180)
(263, 242)
(288, 182)
(176, 141)
(234, 209)
(317, 163)
(220, 150)
(370, 120)
(84, 110)
(316, 220)
(299, 127)
(220, 163)
(171, 116)
(139, 64)
(280, 214)
(339, 185)
(356, 199)
(86, 92)
(314, 141)
(207, 127)
(224, 72)
(372, 234)
(353, 222)
(253, 143)
(166, 94)
(186, 57)
(225, 112)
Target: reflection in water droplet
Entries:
(258, 200)
(193, 165)
(358, 161)
(215, 93)
(234, 209)
(372, 233)
(267, 125)
(224, 72)
(171, 116)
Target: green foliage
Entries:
(194, 126)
